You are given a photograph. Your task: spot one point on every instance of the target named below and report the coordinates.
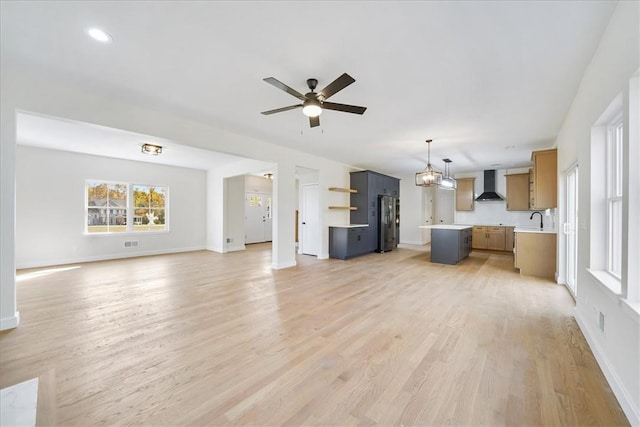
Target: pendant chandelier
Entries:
(429, 177)
(447, 182)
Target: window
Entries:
(614, 197)
(149, 204)
(113, 207)
(106, 207)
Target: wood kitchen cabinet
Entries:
(535, 254)
(490, 237)
(518, 192)
(464, 194)
(544, 180)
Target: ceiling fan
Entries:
(314, 102)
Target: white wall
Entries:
(495, 212)
(617, 349)
(40, 92)
(234, 213)
(50, 215)
(411, 212)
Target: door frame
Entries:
(308, 234)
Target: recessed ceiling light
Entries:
(99, 35)
(508, 147)
(495, 164)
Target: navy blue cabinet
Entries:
(348, 242)
(449, 246)
(370, 185)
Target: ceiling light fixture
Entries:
(447, 182)
(151, 149)
(428, 177)
(99, 35)
(311, 108)
(268, 175)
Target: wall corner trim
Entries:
(626, 402)
(10, 322)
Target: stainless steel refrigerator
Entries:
(388, 224)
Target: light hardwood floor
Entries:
(203, 338)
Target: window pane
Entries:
(106, 207)
(97, 193)
(157, 196)
(141, 195)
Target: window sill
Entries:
(608, 281)
(126, 233)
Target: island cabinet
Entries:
(464, 194)
(544, 180)
(369, 185)
(492, 237)
(348, 242)
(518, 192)
(450, 244)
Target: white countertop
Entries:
(447, 226)
(534, 230)
(350, 225)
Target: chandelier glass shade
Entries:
(447, 182)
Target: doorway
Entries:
(310, 220)
(257, 217)
(446, 201)
(427, 213)
(570, 230)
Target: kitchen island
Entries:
(450, 243)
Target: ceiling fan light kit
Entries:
(313, 103)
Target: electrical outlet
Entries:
(127, 244)
(134, 243)
(228, 240)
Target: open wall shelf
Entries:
(343, 190)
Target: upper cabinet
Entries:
(518, 192)
(464, 194)
(543, 188)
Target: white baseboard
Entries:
(105, 257)
(626, 402)
(10, 322)
(235, 248)
(281, 265)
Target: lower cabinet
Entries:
(492, 237)
(450, 246)
(348, 242)
(535, 254)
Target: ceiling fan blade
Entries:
(280, 110)
(344, 107)
(337, 85)
(284, 87)
(314, 121)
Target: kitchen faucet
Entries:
(539, 213)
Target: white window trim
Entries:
(613, 172)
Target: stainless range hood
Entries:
(489, 193)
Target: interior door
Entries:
(570, 230)
(310, 220)
(255, 218)
(446, 203)
(427, 213)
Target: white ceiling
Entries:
(476, 77)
